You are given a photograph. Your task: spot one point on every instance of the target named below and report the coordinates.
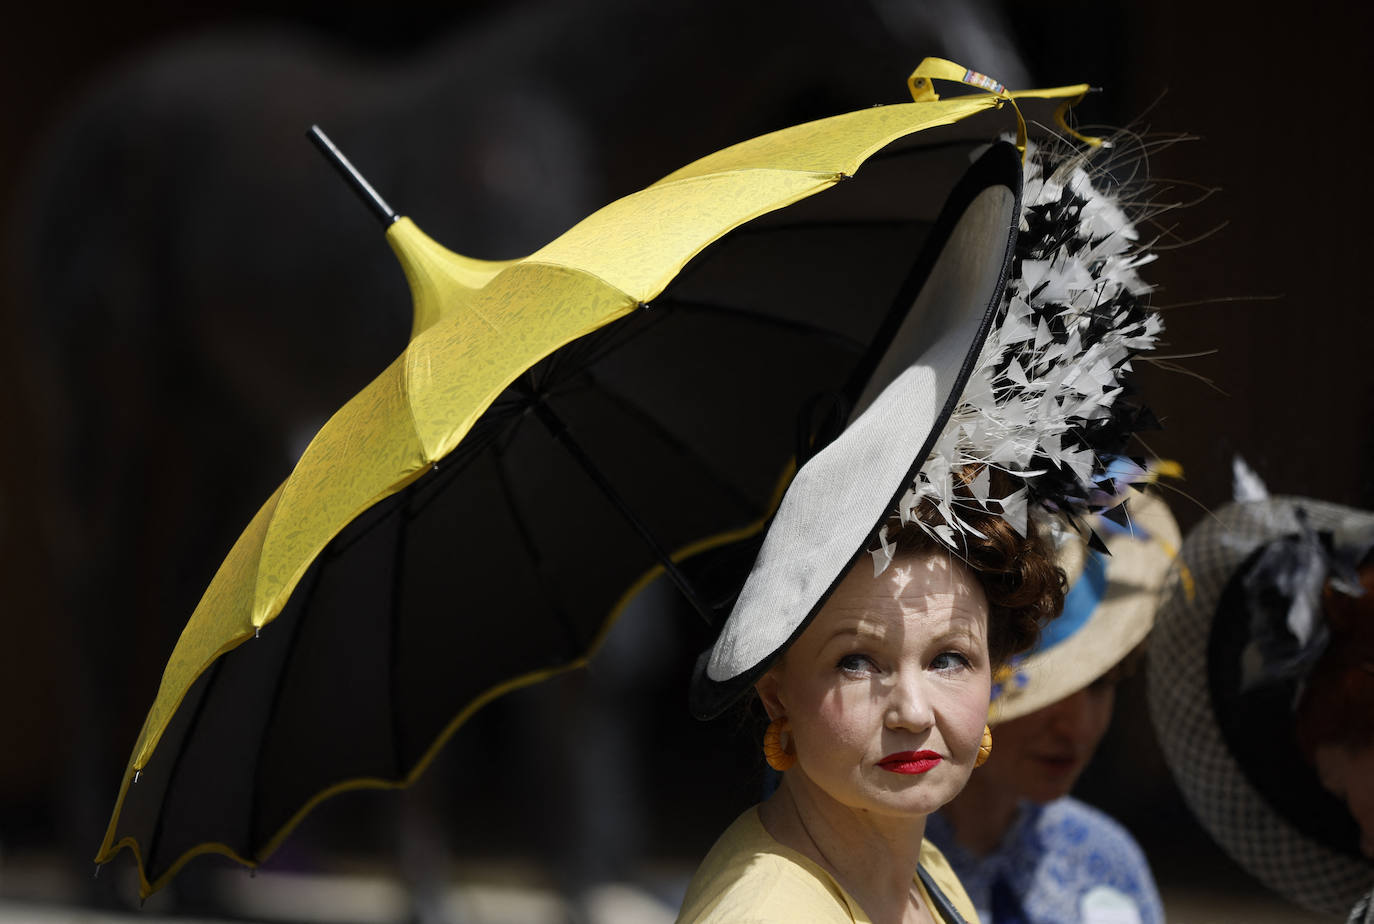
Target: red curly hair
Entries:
(1019, 575)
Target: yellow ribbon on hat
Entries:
(921, 84)
(1168, 468)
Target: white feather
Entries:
(1247, 485)
(1029, 390)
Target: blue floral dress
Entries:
(1060, 863)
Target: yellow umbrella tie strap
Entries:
(931, 69)
(922, 87)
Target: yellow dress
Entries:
(750, 878)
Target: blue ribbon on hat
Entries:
(1086, 592)
(1079, 603)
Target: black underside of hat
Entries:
(999, 165)
(1259, 729)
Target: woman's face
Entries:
(1348, 772)
(1344, 692)
(886, 692)
(1040, 756)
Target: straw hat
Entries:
(1244, 777)
(1108, 610)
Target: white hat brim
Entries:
(841, 494)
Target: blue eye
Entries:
(949, 660)
(855, 664)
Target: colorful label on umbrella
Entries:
(973, 78)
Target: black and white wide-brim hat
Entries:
(1243, 775)
(1005, 351)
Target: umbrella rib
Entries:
(924, 148)
(745, 314)
(831, 224)
(271, 719)
(158, 828)
(393, 653)
(425, 490)
(560, 432)
(532, 553)
(680, 446)
(489, 430)
(590, 350)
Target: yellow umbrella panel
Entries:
(447, 535)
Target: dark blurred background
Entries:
(188, 292)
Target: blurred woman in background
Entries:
(1026, 851)
(1261, 683)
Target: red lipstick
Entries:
(910, 761)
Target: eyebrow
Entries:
(859, 628)
(963, 629)
(963, 626)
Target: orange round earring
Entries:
(778, 757)
(985, 747)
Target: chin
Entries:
(1043, 791)
(904, 808)
(914, 799)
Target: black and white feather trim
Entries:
(1048, 402)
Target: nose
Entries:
(909, 706)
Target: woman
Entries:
(882, 702)
(1023, 848)
(1335, 716)
(1261, 683)
(977, 434)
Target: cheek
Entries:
(1102, 704)
(1099, 726)
(847, 717)
(965, 708)
(1009, 768)
(1012, 738)
(827, 716)
(1090, 725)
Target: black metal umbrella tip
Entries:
(355, 180)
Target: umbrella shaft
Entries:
(371, 198)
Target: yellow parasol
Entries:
(480, 327)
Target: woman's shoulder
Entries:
(1089, 854)
(749, 878)
(946, 880)
(1067, 824)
